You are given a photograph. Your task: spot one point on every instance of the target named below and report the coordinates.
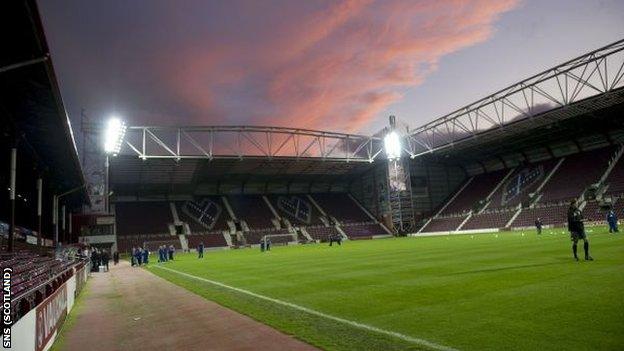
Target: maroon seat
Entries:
(255, 236)
(549, 215)
(477, 190)
(209, 240)
(444, 224)
(341, 207)
(253, 210)
(615, 180)
(363, 230)
(322, 233)
(575, 174)
(489, 219)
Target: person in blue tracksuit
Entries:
(162, 257)
(171, 252)
(200, 250)
(145, 255)
(612, 221)
(137, 256)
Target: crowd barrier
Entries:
(37, 330)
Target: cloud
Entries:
(333, 65)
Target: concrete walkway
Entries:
(132, 309)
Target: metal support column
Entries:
(69, 226)
(55, 219)
(63, 233)
(399, 188)
(106, 185)
(400, 196)
(39, 203)
(13, 170)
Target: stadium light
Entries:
(113, 136)
(392, 145)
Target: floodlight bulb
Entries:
(113, 136)
(392, 145)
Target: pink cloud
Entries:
(324, 64)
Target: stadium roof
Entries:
(579, 101)
(174, 160)
(576, 88)
(592, 122)
(30, 101)
(132, 176)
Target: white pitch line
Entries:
(404, 337)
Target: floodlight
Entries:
(392, 145)
(113, 136)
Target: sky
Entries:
(340, 65)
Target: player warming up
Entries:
(577, 230)
(200, 250)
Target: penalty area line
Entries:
(367, 327)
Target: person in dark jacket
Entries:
(612, 221)
(138, 255)
(200, 250)
(115, 258)
(576, 227)
(95, 260)
(171, 252)
(145, 255)
(538, 226)
(335, 238)
(164, 253)
(105, 259)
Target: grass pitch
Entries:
(505, 291)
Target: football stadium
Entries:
(493, 227)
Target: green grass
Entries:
(471, 292)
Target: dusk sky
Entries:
(329, 65)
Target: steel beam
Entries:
(598, 72)
(241, 142)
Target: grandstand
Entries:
(544, 193)
(41, 176)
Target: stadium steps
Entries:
(513, 218)
(450, 201)
(315, 204)
(305, 233)
(277, 223)
(445, 205)
(227, 237)
(174, 213)
(488, 199)
(459, 227)
(369, 214)
(614, 160)
(183, 242)
(545, 181)
(358, 204)
(342, 233)
(500, 184)
(226, 203)
(275, 214)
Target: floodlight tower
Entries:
(93, 160)
(399, 182)
(113, 138)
